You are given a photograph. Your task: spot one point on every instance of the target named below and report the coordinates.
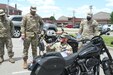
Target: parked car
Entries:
(76, 26)
(107, 26)
(100, 27)
(48, 26)
(69, 26)
(17, 21)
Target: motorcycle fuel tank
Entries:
(89, 50)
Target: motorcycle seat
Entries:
(53, 54)
(70, 59)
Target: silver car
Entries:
(17, 21)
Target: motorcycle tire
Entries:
(64, 72)
(107, 72)
(96, 70)
(32, 73)
(107, 66)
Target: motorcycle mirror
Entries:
(105, 32)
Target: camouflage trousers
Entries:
(27, 41)
(8, 43)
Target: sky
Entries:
(58, 8)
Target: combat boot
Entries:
(25, 66)
(1, 59)
(11, 60)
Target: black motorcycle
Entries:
(86, 61)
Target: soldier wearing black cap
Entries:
(88, 28)
(62, 45)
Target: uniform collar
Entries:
(32, 15)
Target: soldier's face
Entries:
(33, 12)
(64, 40)
(89, 18)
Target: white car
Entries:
(107, 26)
(17, 21)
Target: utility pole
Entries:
(73, 17)
(90, 7)
(7, 7)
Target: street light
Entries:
(90, 7)
(73, 17)
(7, 7)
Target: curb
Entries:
(111, 48)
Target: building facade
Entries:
(9, 10)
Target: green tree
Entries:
(52, 18)
(111, 18)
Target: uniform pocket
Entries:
(30, 34)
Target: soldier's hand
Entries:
(22, 36)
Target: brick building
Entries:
(9, 10)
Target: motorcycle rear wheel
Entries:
(107, 72)
(77, 72)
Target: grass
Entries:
(108, 40)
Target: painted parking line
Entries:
(20, 72)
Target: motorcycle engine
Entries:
(91, 62)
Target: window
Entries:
(17, 19)
(109, 25)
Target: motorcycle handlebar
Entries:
(84, 40)
(104, 32)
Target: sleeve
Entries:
(96, 28)
(11, 28)
(81, 27)
(53, 47)
(41, 23)
(24, 20)
(69, 49)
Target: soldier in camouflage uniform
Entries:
(60, 46)
(6, 30)
(31, 26)
(88, 28)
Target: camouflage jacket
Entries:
(6, 28)
(31, 24)
(58, 47)
(89, 28)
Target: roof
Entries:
(101, 15)
(63, 18)
(58, 21)
(77, 19)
